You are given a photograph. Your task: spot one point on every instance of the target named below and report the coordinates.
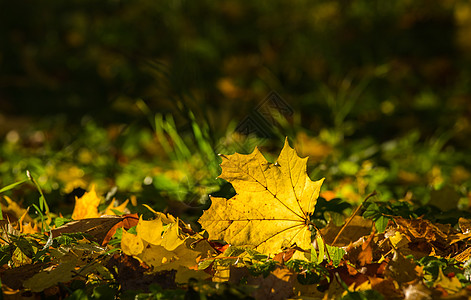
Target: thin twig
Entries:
(351, 217)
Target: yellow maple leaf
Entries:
(150, 231)
(87, 205)
(13, 211)
(131, 244)
(172, 238)
(182, 258)
(273, 204)
(28, 228)
(111, 208)
(160, 244)
(161, 258)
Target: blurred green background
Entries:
(142, 95)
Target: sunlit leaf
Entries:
(131, 244)
(87, 205)
(273, 204)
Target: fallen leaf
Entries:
(13, 211)
(365, 286)
(335, 291)
(19, 258)
(131, 244)
(273, 204)
(181, 259)
(357, 228)
(398, 240)
(128, 221)
(161, 246)
(278, 285)
(14, 278)
(172, 237)
(438, 236)
(464, 255)
(284, 256)
(184, 274)
(110, 210)
(162, 259)
(45, 279)
(366, 255)
(65, 271)
(29, 229)
(465, 225)
(386, 287)
(450, 284)
(150, 231)
(97, 228)
(131, 274)
(402, 269)
(349, 275)
(87, 205)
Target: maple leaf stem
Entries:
(322, 237)
(351, 217)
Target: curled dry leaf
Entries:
(429, 238)
(100, 229)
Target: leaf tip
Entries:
(287, 142)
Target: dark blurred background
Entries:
(89, 90)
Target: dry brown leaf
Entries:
(335, 291)
(463, 255)
(14, 278)
(402, 270)
(357, 228)
(465, 225)
(366, 255)
(284, 256)
(386, 287)
(131, 274)
(97, 228)
(128, 221)
(429, 238)
(276, 286)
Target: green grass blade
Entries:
(12, 186)
(171, 129)
(160, 132)
(42, 200)
(45, 227)
(7, 188)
